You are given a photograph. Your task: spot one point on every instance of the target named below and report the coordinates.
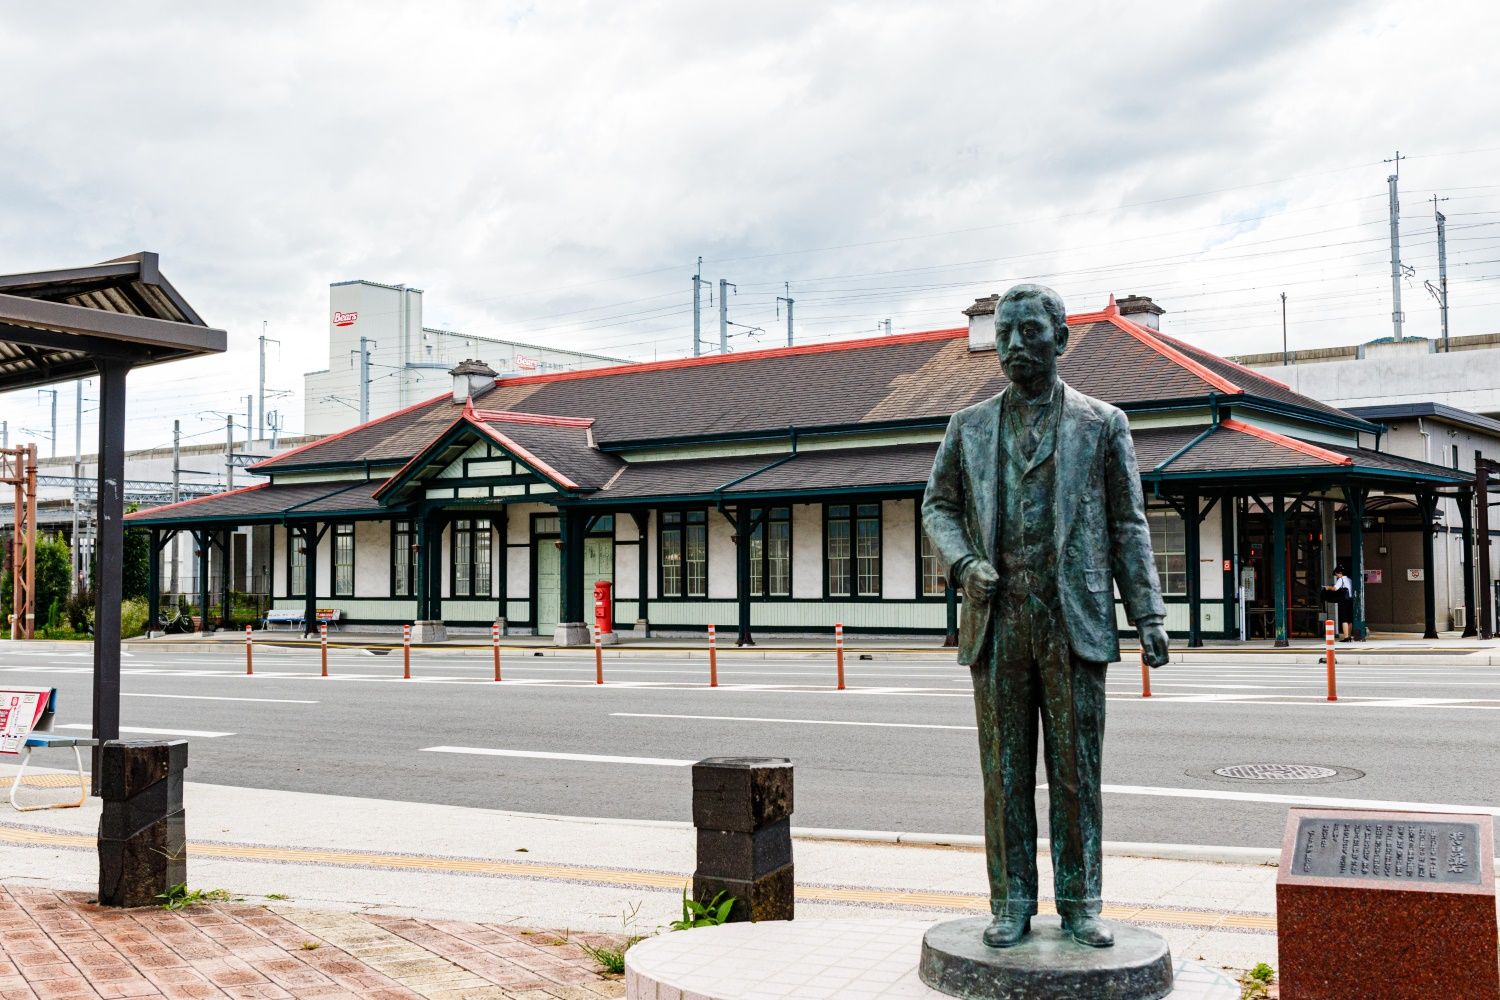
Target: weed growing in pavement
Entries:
(1256, 984)
(612, 960)
(311, 945)
(180, 897)
(277, 895)
(710, 914)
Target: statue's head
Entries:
(1031, 332)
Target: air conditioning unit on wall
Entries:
(1460, 619)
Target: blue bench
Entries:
(41, 736)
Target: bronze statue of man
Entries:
(1035, 506)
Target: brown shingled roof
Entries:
(882, 380)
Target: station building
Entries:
(779, 491)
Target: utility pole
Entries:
(1397, 316)
(364, 380)
(53, 438)
(1285, 360)
(697, 310)
(176, 491)
(724, 314)
(228, 451)
(1442, 292)
(75, 546)
(261, 392)
(249, 422)
(887, 324)
(4, 433)
(787, 298)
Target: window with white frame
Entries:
(852, 549)
(771, 554)
(343, 560)
(1169, 545)
(683, 547)
(471, 558)
(934, 579)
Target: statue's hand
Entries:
(980, 580)
(1153, 643)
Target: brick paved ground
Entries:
(56, 946)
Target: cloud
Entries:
(519, 161)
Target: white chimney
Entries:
(471, 379)
(982, 323)
(1140, 310)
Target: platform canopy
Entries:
(102, 320)
(56, 326)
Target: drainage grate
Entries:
(1275, 772)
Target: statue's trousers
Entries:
(1030, 680)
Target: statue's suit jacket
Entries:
(1101, 535)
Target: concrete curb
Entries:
(1113, 848)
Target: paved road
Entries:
(894, 752)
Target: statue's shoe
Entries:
(1007, 930)
(1090, 931)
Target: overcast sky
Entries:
(550, 172)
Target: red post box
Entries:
(604, 607)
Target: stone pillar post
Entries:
(742, 808)
(142, 841)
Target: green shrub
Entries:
(132, 618)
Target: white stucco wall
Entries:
(720, 557)
(807, 551)
(898, 550)
(1400, 373)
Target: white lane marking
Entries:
(210, 697)
(548, 755)
(151, 731)
(1298, 800)
(800, 722)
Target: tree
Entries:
(135, 569)
(53, 574)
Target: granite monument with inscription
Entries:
(1389, 904)
(1035, 507)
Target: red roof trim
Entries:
(1150, 339)
(526, 456)
(186, 503)
(343, 433)
(541, 419)
(720, 359)
(418, 456)
(1322, 454)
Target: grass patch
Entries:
(180, 897)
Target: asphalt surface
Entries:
(896, 751)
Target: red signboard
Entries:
(344, 318)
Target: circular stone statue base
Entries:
(1046, 965)
(844, 959)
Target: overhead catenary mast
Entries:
(787, 298)
(1397, 316)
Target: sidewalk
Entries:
(58, 946)
(381, 859)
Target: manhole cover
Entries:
(1276, 772)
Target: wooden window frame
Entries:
(853, 519)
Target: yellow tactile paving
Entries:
(906, 899)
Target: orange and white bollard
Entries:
(323, 642)
(598, 657)
(1145, 676)
(249, 656)
(838, 652)
(406, 652)
(713, 658)
(495, 638)
(1333, 694)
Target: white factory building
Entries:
(406, 362)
